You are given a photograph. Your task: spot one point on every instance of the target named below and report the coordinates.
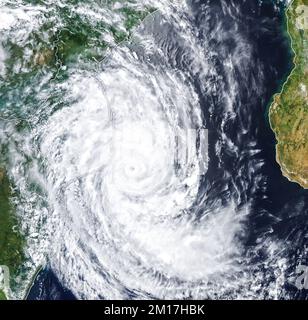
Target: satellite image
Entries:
(153, 150)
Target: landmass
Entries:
(76, 40)
(289, 111)
(2, 295)
(11, 240)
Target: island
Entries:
(288, 114)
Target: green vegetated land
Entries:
(289, 111)
(73, 38)
(11, 241)
(2, 295)
(75, 41)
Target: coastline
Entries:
(274, 104)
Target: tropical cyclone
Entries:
(109, 176)
(289, 111)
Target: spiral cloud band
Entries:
(125, 166)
